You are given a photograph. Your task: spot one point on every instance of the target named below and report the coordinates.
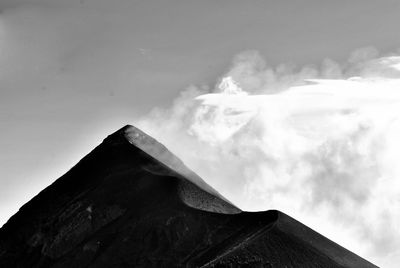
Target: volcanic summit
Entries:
(132, 203)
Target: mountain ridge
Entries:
(121, 207)
(159, 152)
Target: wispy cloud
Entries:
(319, 143)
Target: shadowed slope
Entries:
(132, 203)
(160, 153)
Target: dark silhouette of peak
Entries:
(158, 151)
(132, 203)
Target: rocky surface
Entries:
(132, 203)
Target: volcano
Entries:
(132, 203)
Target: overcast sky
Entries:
(72, 72)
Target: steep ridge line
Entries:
(193, 190)
(122, 207)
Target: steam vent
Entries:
(132, 203)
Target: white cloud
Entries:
(320, 144)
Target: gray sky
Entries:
(72, 72)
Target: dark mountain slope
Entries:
(132, 203)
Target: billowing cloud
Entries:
(319, 143)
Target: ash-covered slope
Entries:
(132, 203)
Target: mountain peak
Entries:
(132, 203)
(161, 154)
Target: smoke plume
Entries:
(319, 143)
